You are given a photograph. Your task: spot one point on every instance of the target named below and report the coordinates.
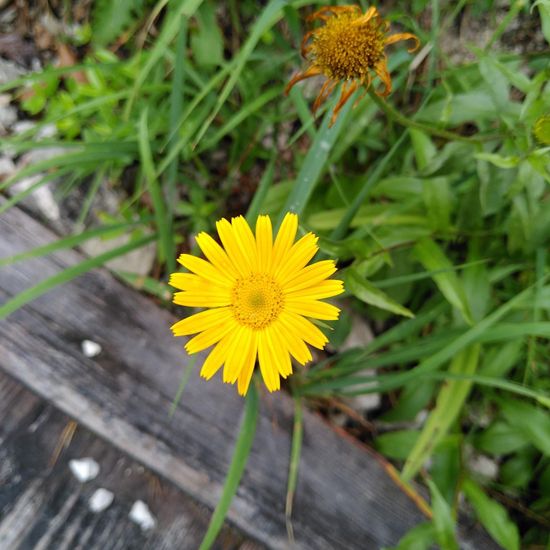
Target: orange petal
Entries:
(404, 36)
(312, 71)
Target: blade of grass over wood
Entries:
(68, 274)
(449, 403)
(164, 226)
(185, 8)
(183, 382)
(73, 240)
(295, 453)
(236, 468)
(434, 260)
(315, 161)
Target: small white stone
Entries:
(7, 167)
(484, 466)
(141, 515)
(100, 500)
(84, 469)
(90, 348)
(22, 126)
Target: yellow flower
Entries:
(259, 294)
(348, 48)
(542, 129)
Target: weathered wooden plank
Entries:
(43, 506)
(344, 498)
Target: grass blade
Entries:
(68, 274)
(295, 453)
(164, 226)
(449, 403)
(236, 469)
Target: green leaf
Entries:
(442, 521)
(207, 41)
(236, 469)
(498, 160)
(433, 259)
(398, 444)
(368, 293)
(420, 537)
(424, 149)
(110, 18)
(532, 421)
(500, 438)
(544, 12)
(295, 453)
(493, 516)
(449, 403)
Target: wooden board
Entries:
(43, 505)
(344, 497)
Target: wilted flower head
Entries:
(348, 48)
(260, 294)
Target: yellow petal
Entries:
(296, 346)
(216, 255)
(296, 258)
(245, 238)
(202, 321)
(264, 243)
(268, 364)
(235, 357)
(203, 298)
(305, 328)
(312, 308)
(279, 350)
(249, 361)
(208, 337)
(204, 269)
(310, 275)
(323, 289)
(238, 257)
(215, 359)
(285, 237)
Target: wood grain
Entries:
(344, 498)
(43, 506)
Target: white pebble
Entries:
(90, 348)
(141, 515)
(84, 469)
(100, 500)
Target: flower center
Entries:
(256, 300)
(346, 48)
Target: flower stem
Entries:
(396, 116)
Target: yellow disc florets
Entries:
(346, 47)
(256, 301)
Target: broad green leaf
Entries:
(421, 537)
(396, 445)
(500, 438)
(434, 259)
(544, 12)
(531, 420)
(368, 293)
(424, 149)
(438, 201)
(207, 40)
(493, 516)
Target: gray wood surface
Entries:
(44, 506)
(344, 497)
